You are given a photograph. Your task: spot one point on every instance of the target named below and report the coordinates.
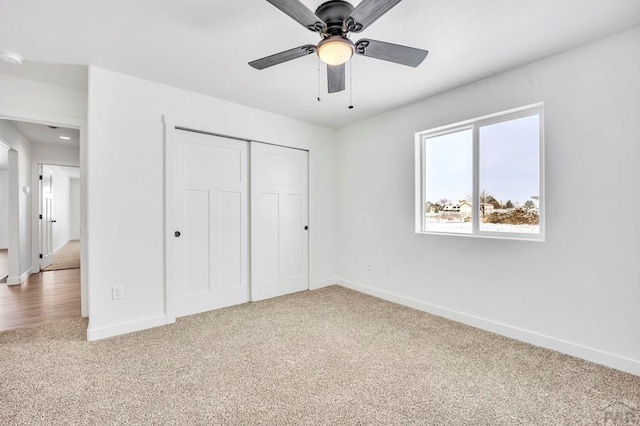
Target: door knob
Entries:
(177, 234)
(306, 227)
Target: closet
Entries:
(239, 221)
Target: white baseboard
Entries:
(323, 283)
(618, 362)
(20, 279)
(60, 247)
(98, 333)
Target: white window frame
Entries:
(475, 124)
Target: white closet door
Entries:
(211, 213)
(279, 216)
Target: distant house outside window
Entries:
(483, 177)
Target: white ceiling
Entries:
(204, 45)
(39, 133)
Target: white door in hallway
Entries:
(211, 214)
(46, 218)
(279, 221)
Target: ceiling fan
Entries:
(333, 21)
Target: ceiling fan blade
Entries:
(367, 12)
(336, 78)
(300, 13)
(281, 57)
(399, 54)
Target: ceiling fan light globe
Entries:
(335, 50)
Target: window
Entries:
(483, 177)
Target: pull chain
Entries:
(351, 83)
(318, 79)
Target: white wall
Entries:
(28, 98)
(54, 154)
(579, 291)
(126, 187)
(74, 207)
(4, 207)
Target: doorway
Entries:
(4, 212)
(10, 255)
(237, 221)
(59, 217)
(30, 296)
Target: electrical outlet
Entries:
(117, 292)
(370, 265)
(388, 269)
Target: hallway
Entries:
(44, 297)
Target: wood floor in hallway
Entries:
(44, 297)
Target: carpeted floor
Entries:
(329, 357)
(68, 257)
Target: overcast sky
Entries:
(509, 159)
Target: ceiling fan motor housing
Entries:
(334, 13)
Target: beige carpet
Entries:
(327, 357)
(68, 257)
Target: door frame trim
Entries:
(169, 221)
(13, 215)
